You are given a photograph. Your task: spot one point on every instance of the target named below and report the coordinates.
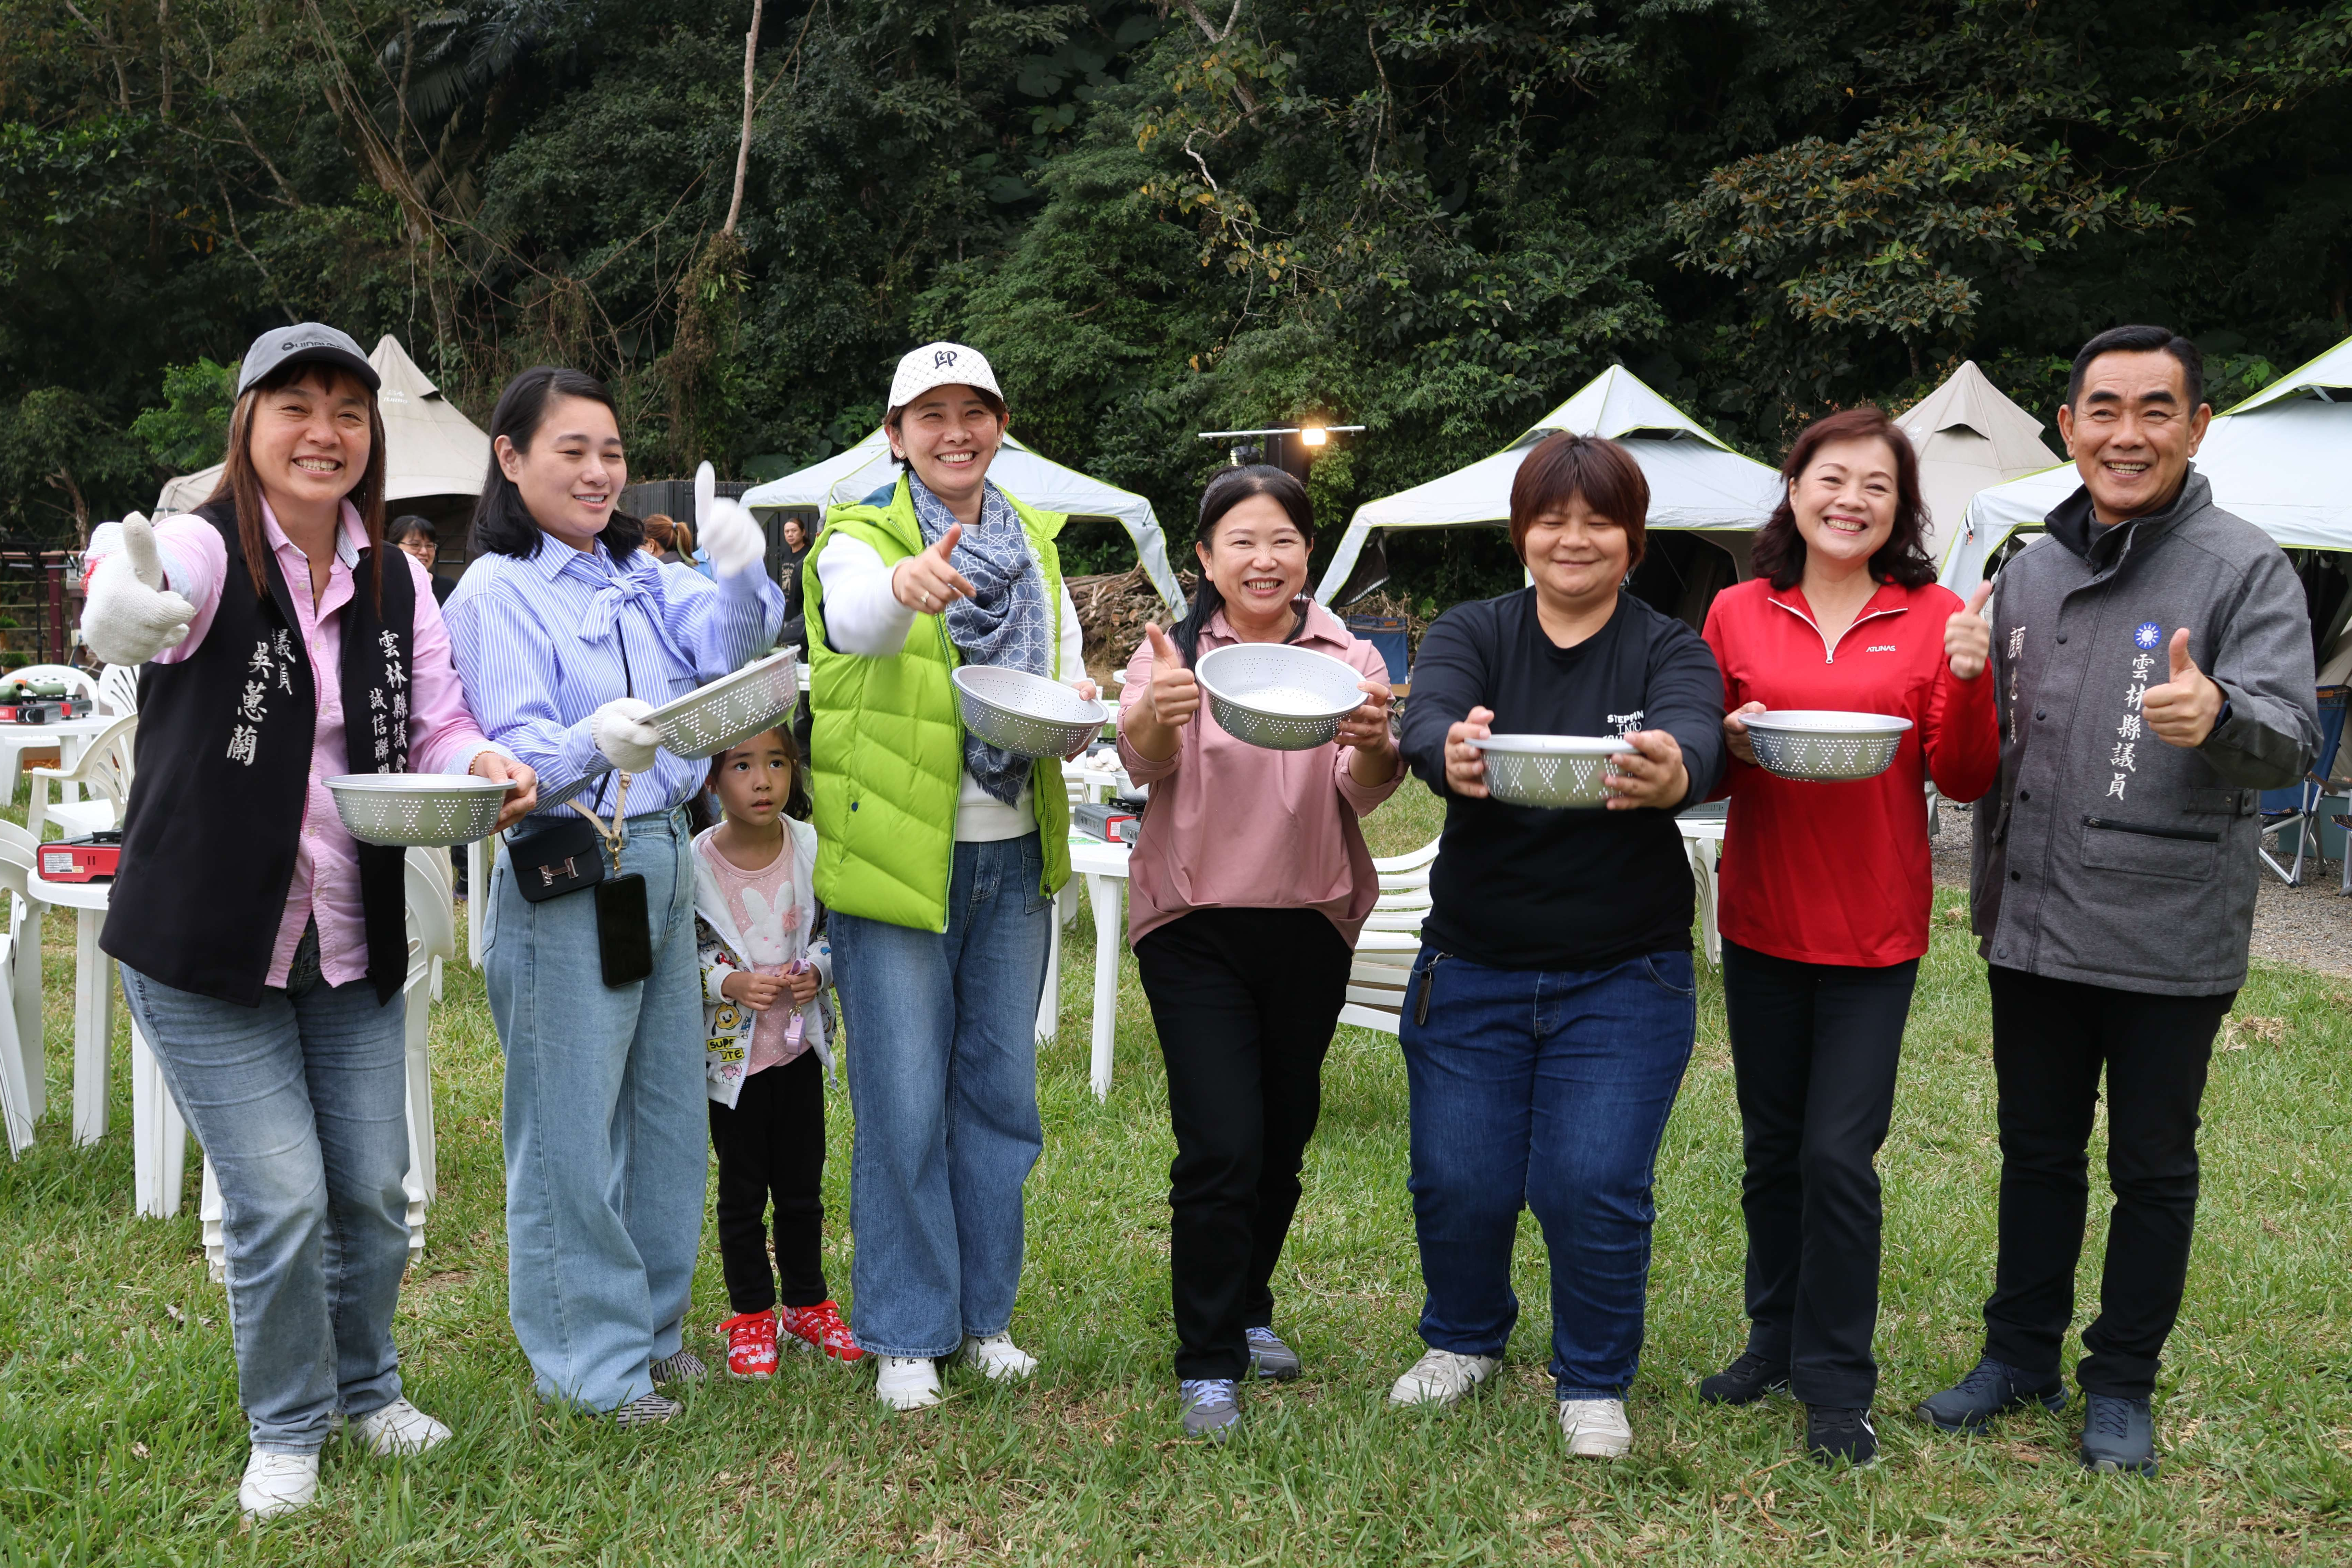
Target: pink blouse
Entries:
(442, 735)
(1235, 826)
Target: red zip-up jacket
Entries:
(1838, 873)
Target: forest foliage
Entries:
(1433, 217)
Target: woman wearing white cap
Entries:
(262, 947)
(939, 857)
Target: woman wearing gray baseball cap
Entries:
(263, 948)
(940, 857)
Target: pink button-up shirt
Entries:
(442, 735)
(1234, 825)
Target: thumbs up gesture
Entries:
(130, 615)
(2182, 711)
(1174, 696)
(925, 583)
(1968, 636)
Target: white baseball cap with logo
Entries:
(940, 365)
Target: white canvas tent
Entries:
(1697, 484)
(1969, 436)
(857, 472)
(2276, 459)
(429, 448)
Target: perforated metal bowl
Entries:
(1561, 772)
(1026, 714)
(729, 710)
(1272, 695)
(1822, 746)
(434, 810)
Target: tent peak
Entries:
(402, 377)
(2327, 379)
(1621, 406)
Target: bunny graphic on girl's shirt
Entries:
(771, 933)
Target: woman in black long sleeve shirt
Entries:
(1551, 1010)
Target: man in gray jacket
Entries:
(2154, 663)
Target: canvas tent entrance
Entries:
(2276, 459)
(1970, 437)
(434, 458)
(1700, 490)
(857, 472)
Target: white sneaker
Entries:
(997, 1356)
(277, 1484)
(907, 1382)
(1595, 1429)
(1442, 1377)
(399, 1429)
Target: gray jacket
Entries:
(2105, 855)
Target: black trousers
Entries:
(2050, 1038)
(771, 1146)
(1815, 1047)
(1244, 1001)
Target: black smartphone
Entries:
(625, 937)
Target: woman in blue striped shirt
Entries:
(566, 634)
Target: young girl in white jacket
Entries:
(764, 974)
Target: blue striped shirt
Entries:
(540, 645)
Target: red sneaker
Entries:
(750, 1344)
(820, 1327)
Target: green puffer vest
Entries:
(887, 744)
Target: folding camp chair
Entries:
(2295, 808)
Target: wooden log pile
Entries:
(1112, 609)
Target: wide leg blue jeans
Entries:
(1548, 1089)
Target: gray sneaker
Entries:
(1269, 1357)
(684, 1367)
(646, 1410)
(1211, 1406)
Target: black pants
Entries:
(1815, 1047)
(772, 1144)
(2050, 1038)
(1244, 1001)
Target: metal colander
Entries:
(1273, 695)
(1556, 772)
(729, 710)
(1026, 714)
(1824, 746)
(434, 810)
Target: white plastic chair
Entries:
(1381, 972)
(18, 1077)
(118, 689)
(104, 775)
(23, 977)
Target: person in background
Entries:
(415, 535)
(1550, 1013)
(568, 635)
(670, 542)
(263, 952)
(2152, 660)
(764, 969)
(938, 857)
(796, 549)
(1247, 892)
(1825, 895)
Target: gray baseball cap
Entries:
(308, 344)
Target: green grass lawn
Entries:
(120, 1440)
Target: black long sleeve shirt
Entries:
(1523, 887)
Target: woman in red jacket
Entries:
(1825, 895)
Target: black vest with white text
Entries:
(220, 774)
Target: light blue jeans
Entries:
(301, 1102)
(606, 1137)
(942, 1047)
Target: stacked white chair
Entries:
(23, 1091)
(1382, 972)
(103, 774)
(118, 689)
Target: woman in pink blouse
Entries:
(1246, 895)
(262, 948)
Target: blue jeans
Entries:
(1549, 1088)
(942, 1050)
(301, 1102)
(607, 1141)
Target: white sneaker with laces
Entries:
(399, 1429)
(1595, 1429)
(998, 1356)
(907, 1382)
(1442, 1377)
(277, 1484)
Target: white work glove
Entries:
(627, 741)
(130, 616)
(733, 538)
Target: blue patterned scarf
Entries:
(1005, 624)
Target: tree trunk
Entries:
(744, 148)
